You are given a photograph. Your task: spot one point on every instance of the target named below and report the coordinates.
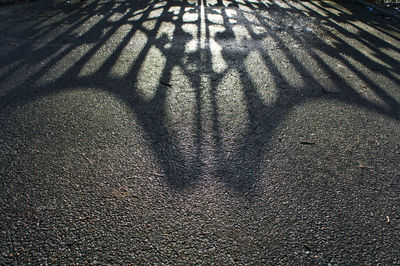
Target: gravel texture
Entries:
(210, 132)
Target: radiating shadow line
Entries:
(74, 71)
(76, 25)
(250, 91)
(198, 92)
(53, 50)
(40, 33)
(345, 87)
(178, 171)
(356, 8)
(240, 169)
(371, 45)
(357, 56)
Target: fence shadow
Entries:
(236, 52)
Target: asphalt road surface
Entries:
(199, 132)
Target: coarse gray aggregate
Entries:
(199, 132)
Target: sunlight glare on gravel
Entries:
(218, 63)
(128, 56)
(99, 58)
(261, 78)
(150, 73)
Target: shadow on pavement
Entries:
(239, 58)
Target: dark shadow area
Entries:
(52, 38)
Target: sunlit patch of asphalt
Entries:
(225, 132)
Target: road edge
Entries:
(378, 8)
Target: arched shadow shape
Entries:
(240, 169)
